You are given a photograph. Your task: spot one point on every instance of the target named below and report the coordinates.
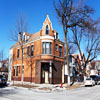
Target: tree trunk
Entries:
(31, 70)
(67, 56)
(22, 64)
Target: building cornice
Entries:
(40, 55)
(41, 38)
(47, 37)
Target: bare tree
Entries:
(21, 25)
(70, 16)
(2, 55)
(30, 63)
(91, 46)
(16, 34)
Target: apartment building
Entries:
(41, 57)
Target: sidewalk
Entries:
(44, 87)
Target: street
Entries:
(18, 93)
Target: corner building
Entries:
(43, 56)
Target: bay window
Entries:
(46, 48)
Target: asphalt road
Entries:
(83, 93)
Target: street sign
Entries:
(50, 62)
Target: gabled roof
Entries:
(34, 36)
(78, 55)
(26, 33)
(4, 61)
(47, 20)
(16, 44)
(75, 55)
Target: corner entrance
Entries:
(45, 73)
(46, 77)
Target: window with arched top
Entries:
(47, 30)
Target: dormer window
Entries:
(47, 30)
(56, 35)
(24, 38)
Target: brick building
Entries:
(43, 56)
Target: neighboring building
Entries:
(75, 69)
(97, 66)
(4, 64)
(71, 64)
(4, 68)
(0, 64)
(43, 56)
(10, 64)
(93, 68)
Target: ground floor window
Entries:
(17, 71)
(14, 71)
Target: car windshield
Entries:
(94, 76)
(88, 79)
(1, 76)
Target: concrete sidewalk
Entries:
(44, 87)
(38, 87)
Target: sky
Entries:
(35, 11)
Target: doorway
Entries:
(45, 73)
(46, 77)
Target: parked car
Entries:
(96, 78)
(89, 82)
(3, 80)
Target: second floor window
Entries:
(46, 48)
(23, 51)
(60, 51)
(28, 51)
(17, 53)
(56, 48)
(32, 48)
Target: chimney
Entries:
(19, 36)
(56, 35)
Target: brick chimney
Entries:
(19, 36)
